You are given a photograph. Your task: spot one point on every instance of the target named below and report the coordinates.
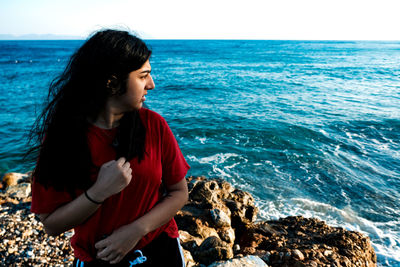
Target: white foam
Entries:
(222, 164)
(221, 172)
(217, 158)
(336, 151)
(323, 132)
(231, 166)
(201, 139)
(192, 158)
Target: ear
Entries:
(112, 82)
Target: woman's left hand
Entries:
(114, 248)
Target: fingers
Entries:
(126, 165)
(103, 253)
(101, 244)
(112, 256)
(121, 161)
(107, 254)
(117, 259)
(128, 173)
(103, 250)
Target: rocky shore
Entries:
(218, 228)
(23, 241)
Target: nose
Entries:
(150, 83)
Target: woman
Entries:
(108, 167)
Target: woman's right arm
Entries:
(112, 178)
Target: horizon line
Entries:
(65, 37)
(211, 39)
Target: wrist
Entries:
(95, 195)
(92, 200)
(140, 228)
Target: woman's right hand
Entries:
(113, 176)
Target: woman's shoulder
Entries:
(151, 116)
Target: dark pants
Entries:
(161, 252)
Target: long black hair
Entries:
(97, 70)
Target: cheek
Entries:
(136, 95)
(132, 91)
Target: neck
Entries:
(108, 118)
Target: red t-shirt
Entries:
(163, 161)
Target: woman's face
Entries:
(139, 81)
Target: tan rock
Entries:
(213, 249)
(328, 253)
(186, 237)
(189, 262)
(12, 250)
(12, 178)
(307, 239)
(220, 218)
(297, 254)
(205, 191)
(27, 233)
(247, 261)
(19, 191)
(227, 234)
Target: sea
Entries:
(309, 128)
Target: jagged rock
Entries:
(188, 241)
(220, 219)
(298, 241)
(247, 261)
(297, 254)
(210, 209)
(213, 249)
(12, 178)
(186, 237)
(227, 235)
(292, 241)
(19, 191)
(205, 191)
(189, 262)
(196, 226)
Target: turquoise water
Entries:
(309, 128)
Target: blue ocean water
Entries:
(310, 128)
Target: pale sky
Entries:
(208, 19)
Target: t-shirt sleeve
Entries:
(174, 165)
(46, 200)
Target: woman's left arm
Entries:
(121, 241)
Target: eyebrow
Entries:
(145, 71)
